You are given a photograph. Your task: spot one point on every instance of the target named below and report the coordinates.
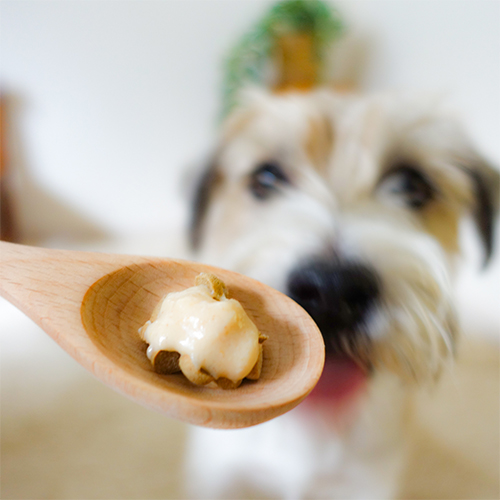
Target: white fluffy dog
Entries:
(350, 205)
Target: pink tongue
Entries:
(341, 379)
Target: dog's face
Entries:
(351, 206)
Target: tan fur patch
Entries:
(319, 142)
(441, 217)
(441, 221)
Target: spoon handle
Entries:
(13, 251)
(27, 271)
(42, 282)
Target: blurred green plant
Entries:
(248, 61)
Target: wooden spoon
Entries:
(92, 305)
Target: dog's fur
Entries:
(376, 184)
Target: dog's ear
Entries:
(206, 183)
(485, 202)
(195, 187)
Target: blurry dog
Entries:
(350, 205)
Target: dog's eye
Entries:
(266, 179)
(410, 185)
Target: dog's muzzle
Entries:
(339, 296)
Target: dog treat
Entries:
(204, 334)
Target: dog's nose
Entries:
(338, 296)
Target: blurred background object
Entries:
(286, 49)
(105, 105)
(8, 230)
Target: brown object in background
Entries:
(8, 231)
(296, 61)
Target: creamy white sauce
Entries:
(218, 335)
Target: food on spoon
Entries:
(204, 334)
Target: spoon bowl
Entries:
(92, 305)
